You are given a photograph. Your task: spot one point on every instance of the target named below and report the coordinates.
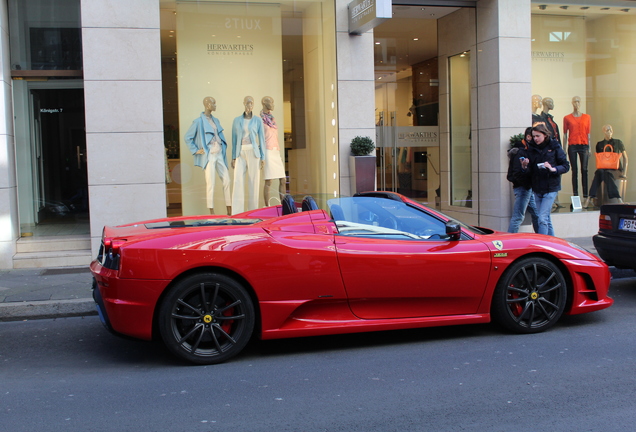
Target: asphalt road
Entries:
(71, 375)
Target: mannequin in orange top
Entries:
(576, 139)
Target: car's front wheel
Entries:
(206, 318)
(530, 297)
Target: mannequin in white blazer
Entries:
(248, 157)
(207, 144)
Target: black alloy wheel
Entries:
(206, 318)
(530, 297)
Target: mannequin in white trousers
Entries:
(248, 157)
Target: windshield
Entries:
(389, 218)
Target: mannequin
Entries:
(248, 156)
(576, 139)
(607, 176)
(207, 144)
(274, 167)
(536, 105)
(548, 119)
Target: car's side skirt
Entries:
(305, 327)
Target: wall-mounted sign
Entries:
(366, 14)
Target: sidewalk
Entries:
(64, 292)
(45, 293)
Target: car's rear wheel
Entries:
(530, 297)
(206, 318)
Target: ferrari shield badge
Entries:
(498, 244)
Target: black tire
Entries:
(530, 296)
(206, 318)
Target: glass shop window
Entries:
(583, 60)
(249, 103)
(45, 35)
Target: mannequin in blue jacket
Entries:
(207, 144)
(248, 157)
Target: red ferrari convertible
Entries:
(375, 261)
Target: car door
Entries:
(402, 276)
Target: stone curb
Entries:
(19, 311)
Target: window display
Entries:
(582, 56)
(263, 50)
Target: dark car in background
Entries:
(616, 238)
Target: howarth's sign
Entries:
(366, 14)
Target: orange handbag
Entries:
(608, 159)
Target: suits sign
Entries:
(366, 14)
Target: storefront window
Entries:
(263, 74)
(583, 61)
(45, 35)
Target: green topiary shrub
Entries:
(516, 139)
(361, 146)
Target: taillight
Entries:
(604, 222)
(110, 252)
(116, 245)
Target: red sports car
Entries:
(375, 261)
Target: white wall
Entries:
(356, 90)
(8, 189)
(124, 117)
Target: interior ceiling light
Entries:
(416, 39)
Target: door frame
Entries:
(27, 132)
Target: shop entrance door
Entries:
(406, 166)
(60, 183)
(407, 103)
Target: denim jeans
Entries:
(524, 199)
(544, 205)
(583, 152)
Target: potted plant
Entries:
(362, 146)
(516, 139)
(362, 165)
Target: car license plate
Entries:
(627, 225)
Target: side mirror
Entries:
(453, 230)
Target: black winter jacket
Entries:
(543, 180)
(515, 175)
